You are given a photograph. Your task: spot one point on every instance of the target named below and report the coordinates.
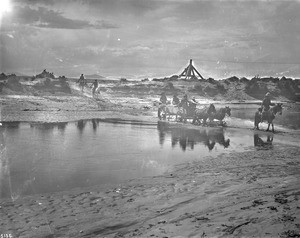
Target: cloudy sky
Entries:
(151, 38)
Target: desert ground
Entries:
(227, 196)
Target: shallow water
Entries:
(288, 119)
(50, 157)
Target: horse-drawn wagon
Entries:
(198, 115)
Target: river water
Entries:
(50, 157)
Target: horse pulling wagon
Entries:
(197, 115)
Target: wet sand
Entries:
(247, 194)
(250, 194)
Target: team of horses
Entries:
(201, 115)
(197, 115)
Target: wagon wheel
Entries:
(179, 116)
(184, 116)
(222, 123)
(161, 113)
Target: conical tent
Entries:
(190, 72)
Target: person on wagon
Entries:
(175, 100)
(163, 98)
(185, 103)
(193, 104)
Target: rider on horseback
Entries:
(265, 105)
(94, 87)
(81, 81)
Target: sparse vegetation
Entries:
(45, 74)
(123, 80)
(231, 88)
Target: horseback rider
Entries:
(175, 100)
(163, 98)
(266, 103)
(95, 86)
(81, 81)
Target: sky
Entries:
(150, 38)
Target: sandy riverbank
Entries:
(250, 194)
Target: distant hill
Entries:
(93, 76)
(20, 74)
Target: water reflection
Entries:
(263, 144)
(11, 125)
(80, 125)
(37, 158)
(62, 126)
(188, 138)
(43, 126)
(95, 124)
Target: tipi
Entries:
(190, 71)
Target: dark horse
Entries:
(269, 115)
(221, 113)
(204, 114)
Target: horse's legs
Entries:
(268, 127)
(185, 119)
(194, 120)
(204, 121)
(272, 127)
